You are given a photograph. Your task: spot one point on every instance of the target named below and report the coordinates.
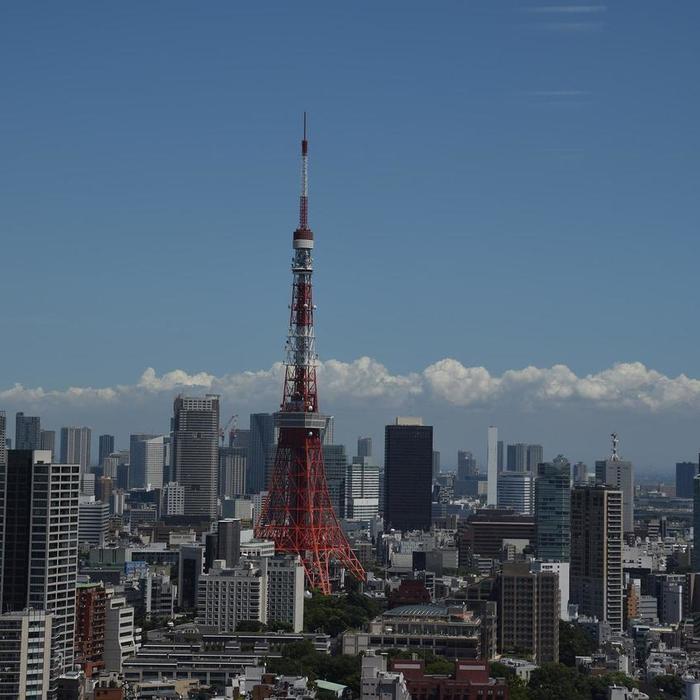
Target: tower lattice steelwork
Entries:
(298, 515)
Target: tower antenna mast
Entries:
(298, 514)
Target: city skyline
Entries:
(552, 243)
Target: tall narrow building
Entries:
(336, 462)
(362, 490)
(516, 457)
(535, 456)
(106, 447)
(147, 454)
(47, 441)
(27, 432)
(263, 439)
(364, 447)
(596, 553)
(39, 543)
(75, 446)
(195, 453)
(618, 474)
(553, 510)
(494, 464)
(408, 469)
(528, 613)
(3, 438)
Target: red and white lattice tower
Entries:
(298, 515)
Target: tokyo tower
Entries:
(298, 515)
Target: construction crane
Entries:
(232, 424)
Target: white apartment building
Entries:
(25, 654)
(122, 638)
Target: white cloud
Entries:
(629, 385)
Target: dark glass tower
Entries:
(408, 467)
(553, 510)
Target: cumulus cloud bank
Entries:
(629, 385)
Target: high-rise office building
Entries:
(408, 466)
(466, 464)
(336, 463)
(516, 490)
(535, 456)
(685, 473)
(27, 432)
(228, 538)
(25, 654)
(173, 499)
(39, 543)
(364, 447)
(618, 474)
(47, 441)
(580, 475)
(362, 490)
(516, 457)
(195, 453)
(696, 523)
(494, 464)
(3, 439)
(528, 613)
(553, 510)
(263, 440)
(596, 553)
(106, 447)
(93, 521)
(75, 446)
(436, 464)
(233, 464)
(482, 533)
(147, 454)
(285, 591)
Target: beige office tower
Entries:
(596, 553)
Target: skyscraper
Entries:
(336, 462)
(106, 447)
(436, 464)
(528, 612)
(580, 473)
(516, 490)
(696, 522)
(685, 473)
(75, 446)
(535, 456)
(553, 510)
(408, 466)
(27, 432)
(516, 457)
(47, 441)
(233, 464)
(3, 443)
(364, 447)
(147, 454)
(618, 474)
(195, 453)
(596, 553)
(39, 543)
(263, 440)
(362, 489)
(229, 541)
(494, 455)
(466, 464)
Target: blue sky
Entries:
(505, 184)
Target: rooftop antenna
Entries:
(614, 457)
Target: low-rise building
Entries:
(453, 631)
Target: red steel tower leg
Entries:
(298, 515)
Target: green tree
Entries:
(599, 684)
(573, 642)
(557, 681)
(517, 688)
